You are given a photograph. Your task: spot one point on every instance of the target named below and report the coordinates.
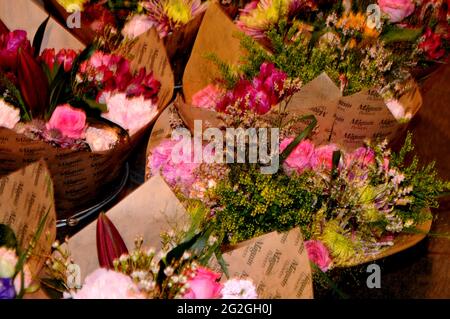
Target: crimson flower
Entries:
(431, 44)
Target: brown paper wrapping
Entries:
(344, 120)
(277, 263)
(82, 177)
(271, 263)
(25, 197)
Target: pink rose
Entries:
(318, 254)
(108, 284)
(69, 121)
(300, 158)
(204, 285)
(323, 157)
(208, 97)
(138, 25)
(397, 10)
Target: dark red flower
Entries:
(10, 43)
(33, 83)
(110, 245)
(432, 45)
(98, 17)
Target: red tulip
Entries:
(110, 245)
(10, 43)
(33, 83)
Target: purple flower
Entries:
(7, 290)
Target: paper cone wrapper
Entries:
(277, 263)
(25, 197)
(344, 120)
(81, 177)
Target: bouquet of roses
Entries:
(80, 111)
(142, 273)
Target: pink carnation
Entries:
(208, 97)
(204, 285)
(176, 168)
(131, 114)
(323, 157)
(69, 121)
(318, 254)
(137, 25)
(108, 284)
(397, 10)
(362, 157)
(300, 158)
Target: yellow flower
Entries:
(352, 21)
(178, 11)
(267, 13)
(72, 5)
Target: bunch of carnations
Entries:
(144, 273)
(126, 98)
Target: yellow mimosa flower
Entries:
(72, 5)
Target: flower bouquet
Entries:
(177, 22)
(353, 93)
(352, 207)
(81, 112)
(107, 260)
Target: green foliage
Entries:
(253, 204)
(229, 75)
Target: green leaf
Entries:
(39, 36)
(7, 237)
(15, 92)
(96, 106)
(336, 158)
(290, 148)
(396, 34)
(23, 257)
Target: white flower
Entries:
(108, 284)
(132, 114)
(138, 25)
(9, 115)
(398, 110)
(100, 140)
(239, 289)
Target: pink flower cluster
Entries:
(68, 121)
(112, 73)
(204, 284)
(259, 95)
(175, 172)
(306, 156)
(63, 58)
